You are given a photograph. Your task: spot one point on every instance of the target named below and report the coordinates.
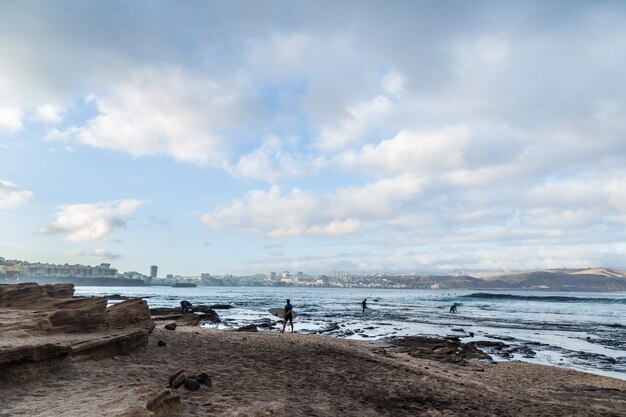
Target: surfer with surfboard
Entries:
(288, 316)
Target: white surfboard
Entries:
(280, 312)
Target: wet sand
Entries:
(275, 374)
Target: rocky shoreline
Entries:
(62, 355)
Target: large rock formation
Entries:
(41, 326)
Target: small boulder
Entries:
(170, 326)
(202, 378)
(191, 384)
(248, 328)
(178, 378)
(161, 343)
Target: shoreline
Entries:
(271, 373)
(557, 334)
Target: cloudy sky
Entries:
(242, 137)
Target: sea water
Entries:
(583, 331)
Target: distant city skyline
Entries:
(244, 137)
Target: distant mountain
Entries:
(593, 279)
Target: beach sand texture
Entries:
(274, 374)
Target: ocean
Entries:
(582, 331)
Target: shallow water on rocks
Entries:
(583, 331)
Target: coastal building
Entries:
(153, 271)
(38, 269)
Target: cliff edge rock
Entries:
(43, 326)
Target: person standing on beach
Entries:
(288, 316)
(364, 305)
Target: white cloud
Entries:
(412, 152)
(11, 197)
(167, 112)
(10, 119)
(273, 161)
(287, 49)
(490, 127)
(616, 193)
(360, 120)
(75, 252)
(268, 162)
(347, 211)
(50, 113)
(393, 83)
(104, 254)
(481, 52)
(98, 253)
(91, 222)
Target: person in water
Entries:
(288, 316)
(364, 305)
(185, 306)
(453, 308)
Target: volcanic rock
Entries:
(441, 350)
(247, 328)
(192, 385)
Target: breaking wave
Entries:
(546, 298)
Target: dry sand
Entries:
(274, 374)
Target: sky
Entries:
(246, 137)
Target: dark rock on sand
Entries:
(248, 328)
(202, 378)
(192, 385)
(170, 326)
(161, 343)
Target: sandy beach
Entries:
(284, 374)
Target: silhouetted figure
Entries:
(288, 316)
(364, 305)
(453, 308)
(185, 306)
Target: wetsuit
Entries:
(289, 313)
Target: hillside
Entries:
(593, 279)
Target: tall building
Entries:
(153, 271)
